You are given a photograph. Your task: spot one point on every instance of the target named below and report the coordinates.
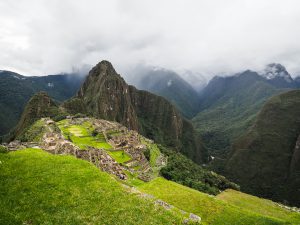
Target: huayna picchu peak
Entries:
(106, 95)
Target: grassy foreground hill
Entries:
(39, 188)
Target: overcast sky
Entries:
(210, 37)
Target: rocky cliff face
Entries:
(106, 95)
(265, 161)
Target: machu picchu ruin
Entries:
(108, 145)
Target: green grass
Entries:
(39, 188)
(132, 180)
(211, 209)
(81, 135)
(120, 156)
(258, 205)
(35, 132)
(154, 154)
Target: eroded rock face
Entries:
(106, 95)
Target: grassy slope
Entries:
(213, 210)
(251, 203)
(39, 188)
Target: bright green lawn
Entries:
(39, 188)
(81, 135)
(120, 156)
(210, 209)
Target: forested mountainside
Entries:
(229, 105)
(265, 161)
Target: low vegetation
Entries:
(184, 171)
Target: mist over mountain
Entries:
(169, 85)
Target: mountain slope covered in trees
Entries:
(266, 160)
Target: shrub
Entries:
(3, 149)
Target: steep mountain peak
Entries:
(103, 68)
(276, 70)
(106, 95)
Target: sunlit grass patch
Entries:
(81, 135)
(119, 156)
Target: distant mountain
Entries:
(196, 80)
(277, 75)
(266, 160)
(106, 95)
(16, 90)
(171, 86)
(228, 106)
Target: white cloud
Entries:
(205, 36)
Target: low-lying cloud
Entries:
(209, 37)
